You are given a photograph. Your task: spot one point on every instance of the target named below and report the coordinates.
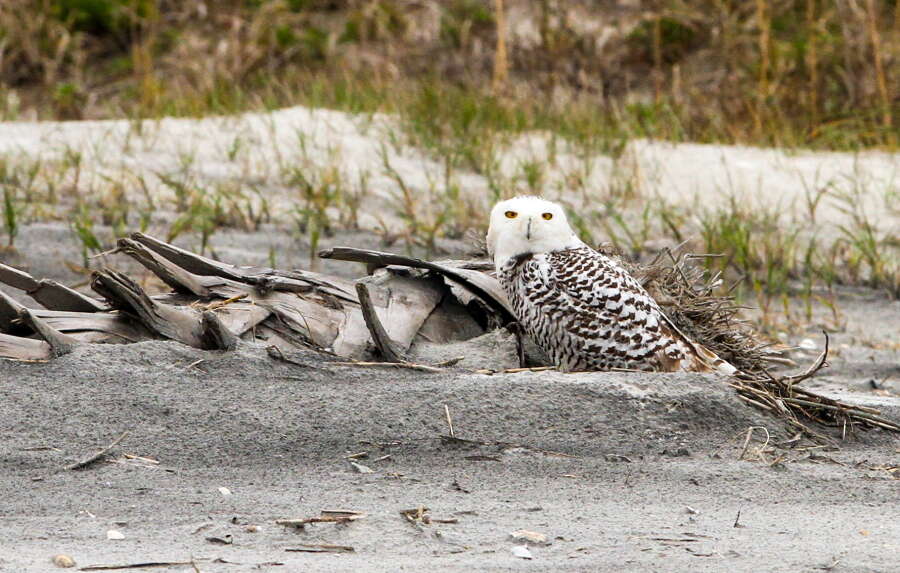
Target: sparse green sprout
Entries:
(203, 215)
(10, 216)
(533, 175)
(235, 148)
(83, 226)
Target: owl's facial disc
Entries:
(528, 225)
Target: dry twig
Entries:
(93, 458)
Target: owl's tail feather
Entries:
(708, 361)
(702, 358)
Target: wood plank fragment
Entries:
(170, 273)
(50, 294)
(59, 343)
(110, 327)
(480, 284)
(193, 262)
(9, 311)
(18, 279)
(178, 323)
(18, 348)
(143, 565)
(265, 279)
(324, 517)
(242, 316)
(55, 296)
(386, 347)
(215, 335)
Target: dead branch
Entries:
(386, 347)
(97, 456)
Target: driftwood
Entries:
(375, 320)
(97, 455)
(476, 282)
(214, 305)
(58, 342)
(49, 294)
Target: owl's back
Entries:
(588, 313)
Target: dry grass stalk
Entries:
(689, 299)
(321, 548)
(501, 66)
(880, 80)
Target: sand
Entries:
(653, 481)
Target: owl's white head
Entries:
(528, 225)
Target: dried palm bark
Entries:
(213, 304)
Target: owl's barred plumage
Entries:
(580, 306)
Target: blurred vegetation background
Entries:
(808, 73)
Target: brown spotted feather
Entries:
(588, 313)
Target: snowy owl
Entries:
(581, 307)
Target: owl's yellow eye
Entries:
(547, 216)
(511, 214)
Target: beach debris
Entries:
(522, 552)
(483, 458)
(142, 565)
(224, 540)
(63, 560)
(200, 528)
(456, 486)
(321, 548)
(98, 455)
(361, 468)
(224, 491)
(376, 321)
(420, 516)
(326, 516)
(449, 420)
(417, 515)
(530, 537)
(138, 458)
(114, 535)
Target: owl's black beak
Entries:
(528, 230)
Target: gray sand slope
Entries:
(650, 479)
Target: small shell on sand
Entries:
(63, 560)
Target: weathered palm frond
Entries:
(214, 305)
